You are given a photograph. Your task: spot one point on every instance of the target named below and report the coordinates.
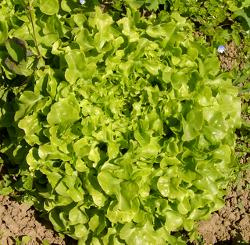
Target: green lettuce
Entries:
(126, 127)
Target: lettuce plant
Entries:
(124, 130)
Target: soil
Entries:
(18, 220)
(232, 223)
(232, 57)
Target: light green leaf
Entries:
(66, 110)
(76, 216)
(51, 152)
(193, 124)
(94, 222)
(173, 220)
(49, 7)
(27, 101)
(113, 150)
(165, 30)
(94, 155)
(82, 147)
(81, 165)
(77, 195)
(81, 232)
(16, 49)
(109, 184)
(163, 186)
(3, 31)
(78, 67)
(31, 126)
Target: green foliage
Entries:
(3, 31)
(124, 130)
(150, 5)
(219, 21)
(49, 7)
(23, 240)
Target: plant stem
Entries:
(33, 28)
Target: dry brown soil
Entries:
(231, 223)
(17, 220)
(232, 57)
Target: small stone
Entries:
(221, 49)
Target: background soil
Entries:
(231, 223)
(18, 220)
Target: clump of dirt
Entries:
(231, 223)
(232, 57)
(17, 220)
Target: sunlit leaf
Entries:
(49, 7)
